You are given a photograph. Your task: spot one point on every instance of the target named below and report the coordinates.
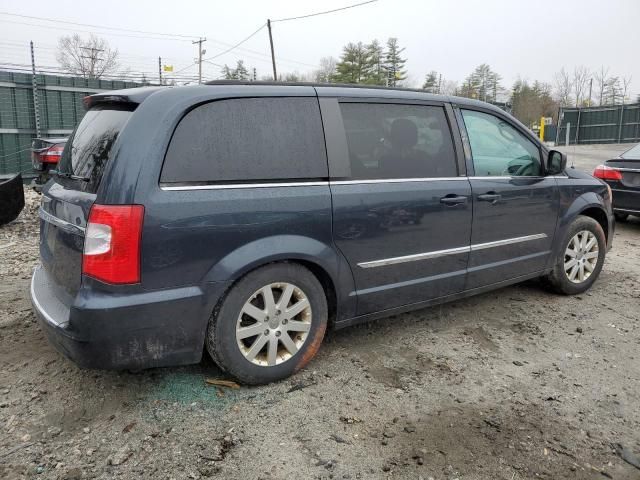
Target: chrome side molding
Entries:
(450, 251)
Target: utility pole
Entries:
(590, 87)
(34, 85)
(440, 85)
(200, 53)
(93, 59)
(273, 57)
(160, 69)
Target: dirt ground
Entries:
(514, 384)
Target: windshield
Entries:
(633, 153)
(89, 146)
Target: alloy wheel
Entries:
(581, 256)
(274, 324)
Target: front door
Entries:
(401, 208)
(515, 207)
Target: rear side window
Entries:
(393, 141)
(89, 147)
(248, 140)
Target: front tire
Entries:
(270, 324)
(581, 258)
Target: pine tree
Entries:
(432, 82)
(612, 91)
(241, 72)
(353, 66)
(394, 63)
(227, 73)
(482, 84)
(375, 74)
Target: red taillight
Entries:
(112, 243)
(52, 154)
(607, 173)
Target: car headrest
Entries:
(404, 133)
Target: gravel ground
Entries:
(588, 157)
(514, 384)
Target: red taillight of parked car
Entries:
(605, 172)
(52, 154)
(49, 155)
(112, 243)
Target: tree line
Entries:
(375, 63)
(369, 64)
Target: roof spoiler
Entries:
(133, 96)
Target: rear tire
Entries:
(581, 257)
(621, 217)
(270, 324)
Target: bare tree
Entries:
(326, 70)
(601, 77)
(88, 57)
(449, 87)
(581, 76)
(563, 87)
(626, 83)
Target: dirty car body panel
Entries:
(380, 246)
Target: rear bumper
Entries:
(626, 201)
(141, 330)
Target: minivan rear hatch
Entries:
(68, 198)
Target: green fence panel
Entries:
(60, 106)
(603, 124)
(7, 108)
(16, 152)
(24, 108)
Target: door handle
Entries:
(453, 199)
(492, 197)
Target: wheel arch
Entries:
(600, 216)
(589, 204)
(324, 262)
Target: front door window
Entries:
(499, 149)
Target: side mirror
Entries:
(556, 162)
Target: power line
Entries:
(59, 71)
(179, 37)
(266, 55)
(90, 31)
(323, 13)
(269, 22)
(237, 44)
(98, 26)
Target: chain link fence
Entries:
(60, 108)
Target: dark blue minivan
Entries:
(248, 218)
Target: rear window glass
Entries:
(392, 141)
(89, 146)
(248, 140)
(633, 153)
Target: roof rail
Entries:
(312, 84)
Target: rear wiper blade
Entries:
(69, 175)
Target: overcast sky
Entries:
(517, 38)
